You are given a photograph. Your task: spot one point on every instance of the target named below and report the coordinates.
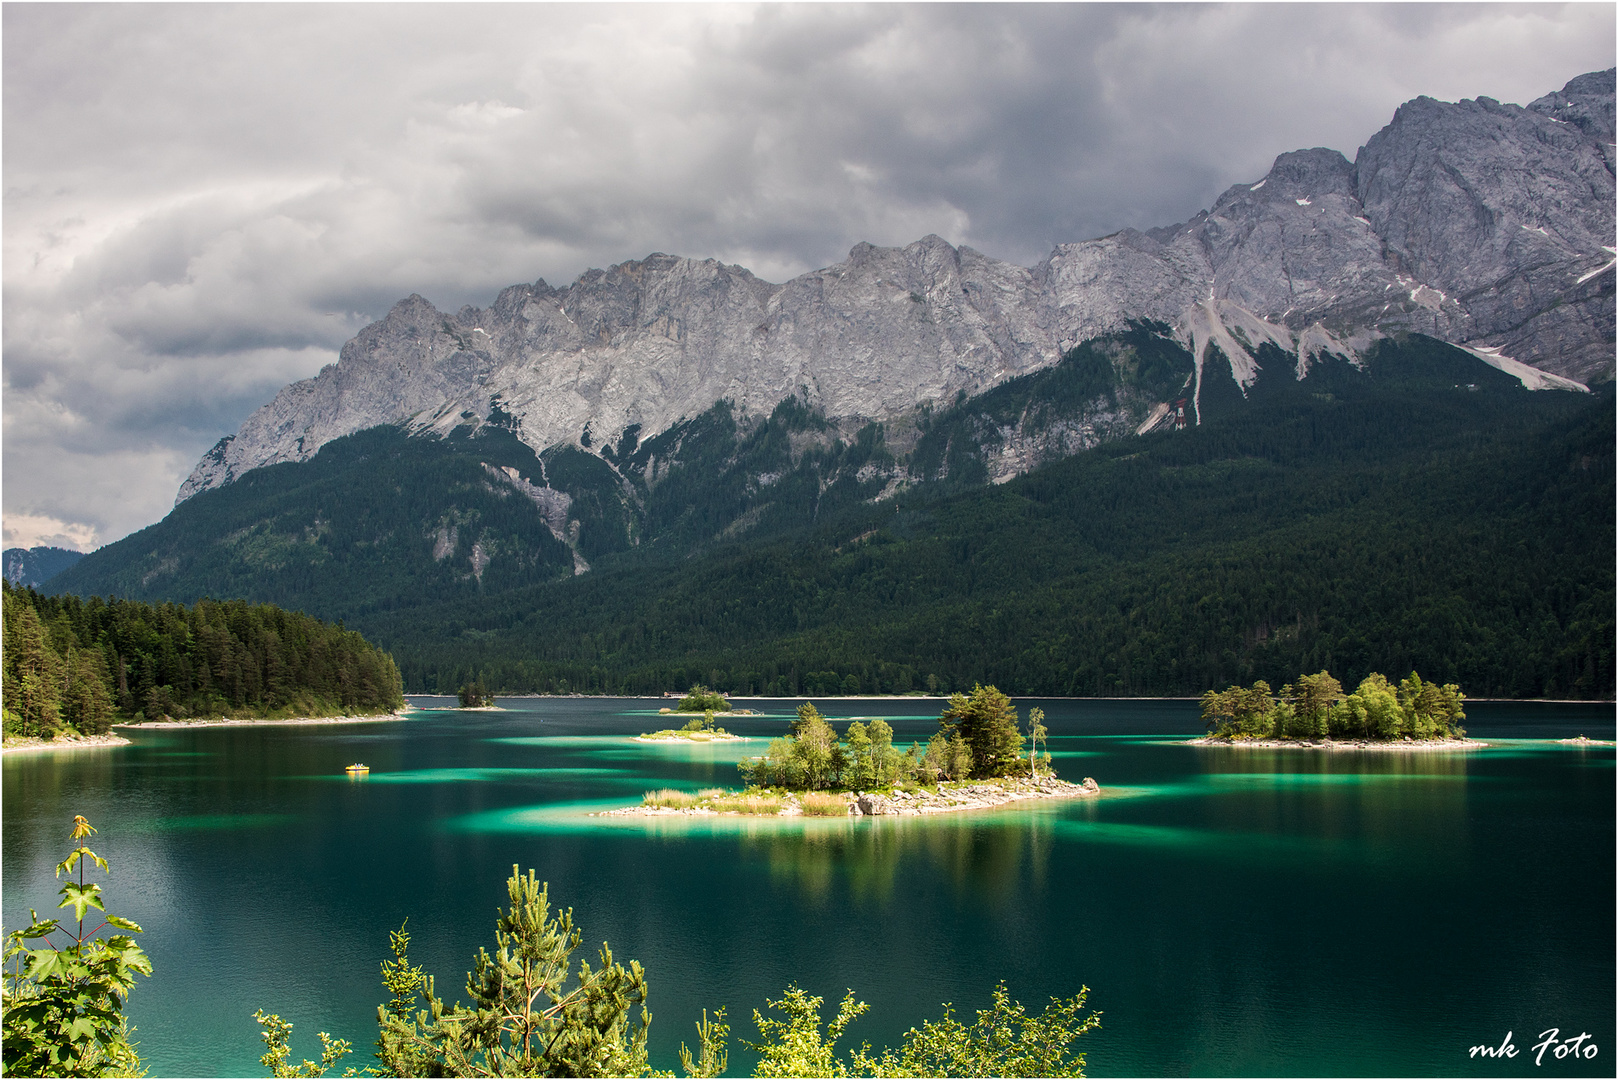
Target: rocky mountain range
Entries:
(1486, 225)
(36, 565)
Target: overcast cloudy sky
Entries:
(202, 203)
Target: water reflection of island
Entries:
(979, 854)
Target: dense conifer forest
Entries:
(77, 665)
(1459, 533)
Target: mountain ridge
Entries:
(1481, 224)
(36, 565)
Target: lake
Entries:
(1232, 911)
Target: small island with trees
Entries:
(475, 695)
(697, 729)
(709, 703)
(1314, 712)
(981, 756)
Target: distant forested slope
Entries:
(1461, 531)
(36, 565)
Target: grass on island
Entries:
(716, 735)
(768, 802)
(747, 803)
(822, 804)
(697, 729)
(671, 799)
(721, 801)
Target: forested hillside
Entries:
(1463, 533)
(1421, 510)
(82, 665)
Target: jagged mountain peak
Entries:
(1485, 225)
(1585, 102)
(1296, 174)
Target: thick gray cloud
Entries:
(203, 202)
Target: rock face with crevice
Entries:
(1489, 226)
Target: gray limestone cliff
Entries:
(1489, 226)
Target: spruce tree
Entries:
(987, 722)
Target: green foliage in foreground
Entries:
(278, 1057)
(1003, 1041)
(78, 666)
(530, 1016)
(978, 738)
(1315, 707)
(701, 699)
(64, 1005)
(523, 1019)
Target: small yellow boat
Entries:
(357, 769)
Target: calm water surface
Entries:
(1233, 912)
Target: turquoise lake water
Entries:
(1236, 912)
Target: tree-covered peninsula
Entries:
(1314, 708)
(76, 667)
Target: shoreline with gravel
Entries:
(256, 722)
(31, 744)
(1341, 744)
(977, 795)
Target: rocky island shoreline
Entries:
(946, 799)
(703, 736)
(1341, 744)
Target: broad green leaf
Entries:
(45, 964)
(39, 929)
(82, 1029)
(82, 897)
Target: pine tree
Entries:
(987, 722)
(521, 1022)
(33, 671)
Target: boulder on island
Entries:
(871, 804)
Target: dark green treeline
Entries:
(80, 665)
(1464, 534)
